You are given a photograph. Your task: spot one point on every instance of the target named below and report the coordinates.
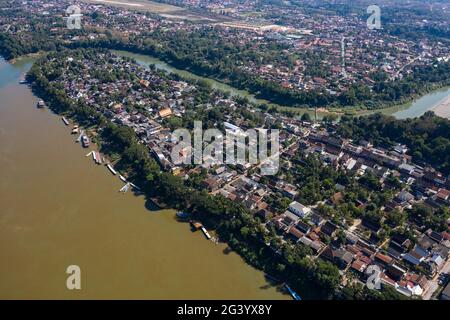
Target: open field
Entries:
(166, 10)
(443, 108)
(150, 6)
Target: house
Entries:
(299, 209)
(291, 216)
(359, 266)
(406, 168)
(416, 255)
(289, 191)
(295, 234)
(383, 259)
(405, 196)
(350, 237)
(317, 219)
(343, 258)
(211, 184)
(303, 227)
(265, 215)
(408, 288)
(395, 272)
(340, 256)
(329, 228)
(435, 236)
(445, 295)
(166, 112)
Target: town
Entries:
(323, 60)
(350, 194)
(339, 200)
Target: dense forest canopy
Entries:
(427, 137)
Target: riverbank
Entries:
(443, 108)
(58, 208)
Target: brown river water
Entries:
(57, 208)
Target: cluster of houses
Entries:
(350, 52)
(343, 63)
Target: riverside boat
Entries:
(183, 215)
(205, 232)
(293, 293)
(66, 122)
(85, 141)
(41, 104)
(114, 172)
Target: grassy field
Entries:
(147, 5)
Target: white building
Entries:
(299, 209)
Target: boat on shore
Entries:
(98, 157)
(85, 141)
(80, 136)
(23, 81)
(271, 278)
(41, 104)
(121, 177)
(66, 122)
(205, 232)
(75, 129)
(125, 188)
(183, 215)
(293, 293)
(114, 172)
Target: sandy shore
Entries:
(443, 108)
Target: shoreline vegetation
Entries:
(391, 93)
(235, 225)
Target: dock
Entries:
(293, 293)
(125, 188)
(98, 157)
(114, 172)
(135, 186)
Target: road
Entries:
(433, 283)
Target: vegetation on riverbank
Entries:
(385, 93)
(178, 52)
(233, 222)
